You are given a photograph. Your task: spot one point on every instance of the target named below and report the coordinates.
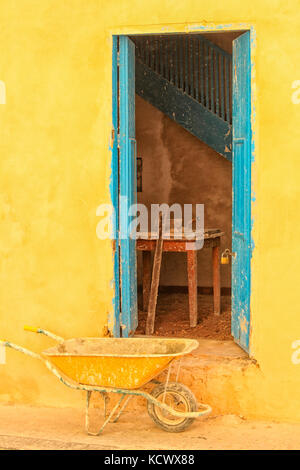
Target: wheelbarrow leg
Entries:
(106, 400)
(88, 397)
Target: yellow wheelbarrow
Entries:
(123, 366)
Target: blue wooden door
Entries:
(114, 323)
(241, 215)
(127, 185)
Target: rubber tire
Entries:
(185, 393)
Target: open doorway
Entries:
(186, 107)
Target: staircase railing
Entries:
(194, 64)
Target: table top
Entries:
(175, 235)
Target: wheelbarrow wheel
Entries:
(178, 397)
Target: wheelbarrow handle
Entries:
(44, 332)
(8, 344)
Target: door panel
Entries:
(114, 323)
(241, 214)
(127, 189)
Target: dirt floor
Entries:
(172, 317)
(27, 428)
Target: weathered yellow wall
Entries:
(55, 170)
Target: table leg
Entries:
(146, 278)
(192, 282)
(216, 279)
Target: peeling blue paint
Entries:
(222, 27)
(113, 319)
(253, 148)
(128, 275)
(241, 210)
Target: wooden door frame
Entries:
(251, 157)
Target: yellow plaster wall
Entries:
(55, 170)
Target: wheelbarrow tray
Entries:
(127, 363)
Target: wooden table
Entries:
(212, 239)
